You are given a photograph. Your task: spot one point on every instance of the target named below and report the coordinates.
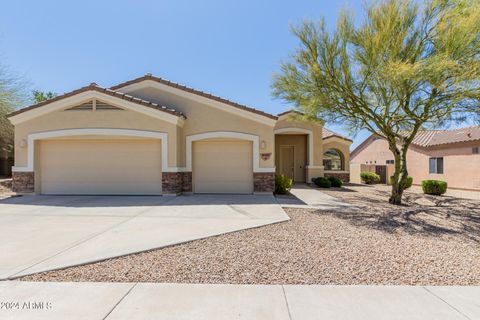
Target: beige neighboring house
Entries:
(449, 155)
(152, 136)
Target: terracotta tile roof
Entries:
(423, 137)
(328, 134)
(289, 111)
(194, 91)
(95, 87)
(429, 138)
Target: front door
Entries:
(287, 161)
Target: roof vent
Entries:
(93, 84)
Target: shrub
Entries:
(335, 182)
(370, 177)
(323, 182)
(435, 187)
(409, 181)
(283, 184)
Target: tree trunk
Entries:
(399, 179)
(396, 195)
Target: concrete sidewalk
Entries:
(56, 300)
(304, 196)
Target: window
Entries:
(333, 160)
(476, 150)
(436, 165)
(390, 161)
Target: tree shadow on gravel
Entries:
(441, 216)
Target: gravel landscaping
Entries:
(5, 187)
(429, 241)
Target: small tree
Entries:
(406, 67)
(40, 96)
(11, 96)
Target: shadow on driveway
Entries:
(85, 201)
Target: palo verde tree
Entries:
(11, 96)
(408, 66)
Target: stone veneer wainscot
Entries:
(263, 181)
(23, 182)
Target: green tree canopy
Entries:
(407, 66)
(40, 96)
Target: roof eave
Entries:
(90, 92)
(339, 137)
(194, 92)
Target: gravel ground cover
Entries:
(428, 241)
(5, 187)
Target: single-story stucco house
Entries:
(153, 136)
(449, 155)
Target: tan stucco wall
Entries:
(300, 155)
(288, 122)
(202, 118)
(461, 167)
(355, 169)
(124, 119)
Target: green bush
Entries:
(335, 182)
(409, 181)
(435, 187)
(370, 177)
(323, 182)
(282, 184)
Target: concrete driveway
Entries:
(40, 233)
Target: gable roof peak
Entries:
(95, 87)
(327, 133)
(197, 92)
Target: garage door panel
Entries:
(222, 167)
(100, 167)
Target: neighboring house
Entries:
(152, 136)
(449, 155)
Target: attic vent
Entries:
(88, 106)
(104, 106)
(84, 106)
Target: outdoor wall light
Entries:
(263, 144)
(23, 143)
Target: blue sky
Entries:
(228, 48)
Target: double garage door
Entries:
(133, 166)
(101, 166)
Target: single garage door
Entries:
(223, 166)
(107, 167)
